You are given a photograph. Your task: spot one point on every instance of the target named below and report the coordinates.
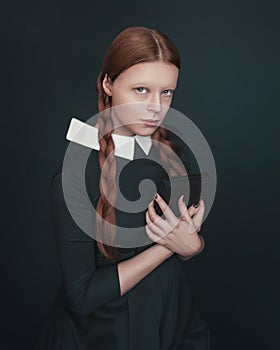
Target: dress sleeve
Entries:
(87, 287)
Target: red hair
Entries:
(131, 46)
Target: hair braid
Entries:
(107, 183)
(149, 45)
(167, 155)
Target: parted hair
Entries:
(131, 46)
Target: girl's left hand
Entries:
(180, 235)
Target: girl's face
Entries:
(144, 92)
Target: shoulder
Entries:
(81, 171)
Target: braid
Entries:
(107, 163)
(149, 45)
(167, 155)
(107, 183)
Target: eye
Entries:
(168, 92)
(141, 90)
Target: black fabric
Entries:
(88, 313)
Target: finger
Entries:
(154, 228)
(198, 217)
(154, 217)
(192, 227)
(162, 224)
(185, 215)
(192, 210)
(151, 235)
(170, 216)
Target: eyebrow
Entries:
(145, 83)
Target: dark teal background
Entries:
(51, 55)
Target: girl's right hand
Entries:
(180, 235)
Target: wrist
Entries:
(163, 250)
(202, 244)
(183, 257)
(187, 257)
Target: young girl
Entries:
(138, 298)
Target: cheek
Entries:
(136, 109)
(121, 97)
(131, 110)
(166, 101)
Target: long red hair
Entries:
(131, 46)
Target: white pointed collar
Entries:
(87, 135)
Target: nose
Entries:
(154, 104)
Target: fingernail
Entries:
(183, 197)
(155, 195)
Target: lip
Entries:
(150, 122)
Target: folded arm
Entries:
(89, 287)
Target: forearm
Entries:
(133, 270)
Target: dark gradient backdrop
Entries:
(51, 55)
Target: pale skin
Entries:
(180, 235)
(183, 238)
(150, 85)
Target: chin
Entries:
(145, 131)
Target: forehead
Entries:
(155, 73)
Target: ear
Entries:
(107, 85)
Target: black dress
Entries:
(88, 313)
